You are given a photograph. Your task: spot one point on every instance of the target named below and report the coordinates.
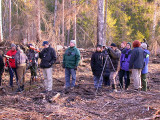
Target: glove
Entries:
(75, 68)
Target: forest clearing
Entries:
(45, 42)
(81, 102)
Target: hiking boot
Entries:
(136, 90)
(19, 90)
(22, 87)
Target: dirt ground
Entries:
(81, 103)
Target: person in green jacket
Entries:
(71, 59)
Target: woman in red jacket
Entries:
(12, 65)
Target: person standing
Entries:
(21, 60)
(106, 72)
(124, 66)
(71, 59)
(136, 63)
(114, 64)
(33, 62)
(97, 62)
(12, 66)
(1, 67)
(123, 46)
(145, 69)
(48, 58)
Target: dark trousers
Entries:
(106, 79)
(11, 72)
(125, 74)
(33, 70)
(1, 77)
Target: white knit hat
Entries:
(144, 45)
(73, 41)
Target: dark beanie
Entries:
(129, 44)
(136, 43)
(113, 45)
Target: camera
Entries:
(8, 57)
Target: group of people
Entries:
(109, 62)
(106, 63)
(18, 60)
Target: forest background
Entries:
(59, 21)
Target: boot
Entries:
(114, 88)
(22, 87)
(19, 89)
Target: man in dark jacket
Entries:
(71, 59)
(114, 64)
(48, 58)
(136, 63)
(1, 67)
(97, 62)
(124, 66)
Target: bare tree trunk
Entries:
(68, 37)
(10, 19)
(105, 24)
(75, 22)
(38, 26)
(154, 41)
(55, 12)
(1, 32)
(100, 28)
(5, 18)
(63, 25)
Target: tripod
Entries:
(101, 77)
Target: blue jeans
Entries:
(11, 72)
(70, 72)
(97, 81)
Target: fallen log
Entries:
(54, 98)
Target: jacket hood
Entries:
(146, 51)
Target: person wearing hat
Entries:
(20, 60)
(124, 66)
(97, 62)
(12, 66)
(33, 62)
(136, 64)
(114, 64)
(71, 59)
(145, 68)
(48, 58)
